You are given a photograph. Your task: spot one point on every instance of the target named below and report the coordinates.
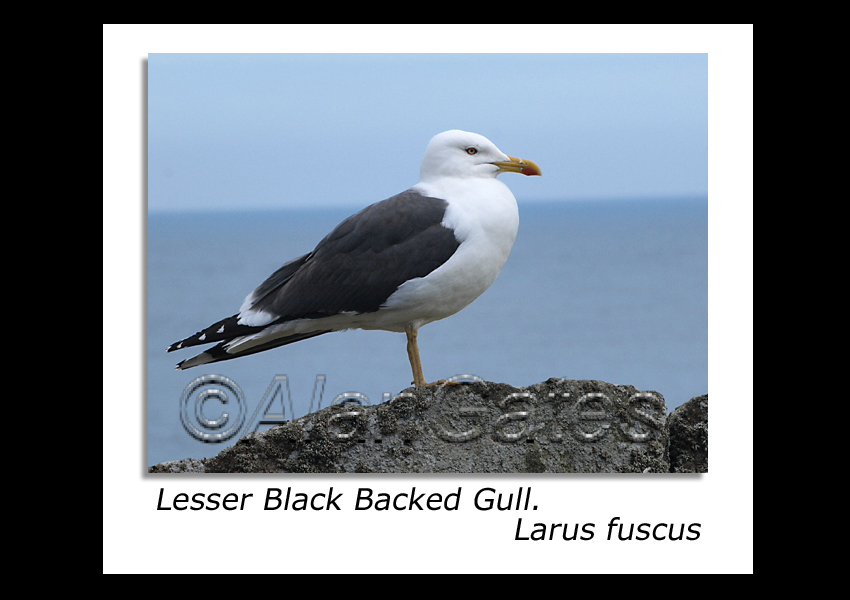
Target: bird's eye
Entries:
(472, 150)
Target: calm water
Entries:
(614, 290)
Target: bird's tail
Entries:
(220, 352)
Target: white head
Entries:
(457, 153)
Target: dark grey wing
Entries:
(362, 261)
(355, 268)
(279, 277)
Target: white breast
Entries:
(485, 219)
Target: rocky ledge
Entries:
(557, 426)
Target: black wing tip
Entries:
(223, 330)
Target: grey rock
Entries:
(556, 426)
(687, 427)
(186, 465)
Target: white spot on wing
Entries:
(255, 318)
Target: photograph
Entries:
(427, 263)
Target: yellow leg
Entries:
(416, 363)
(413, 355)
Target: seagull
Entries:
(396, 265)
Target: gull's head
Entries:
(457, 153)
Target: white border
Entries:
(137, 538)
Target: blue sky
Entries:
(231, 131)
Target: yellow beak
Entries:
(518, 165)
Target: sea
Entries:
(614, 290)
